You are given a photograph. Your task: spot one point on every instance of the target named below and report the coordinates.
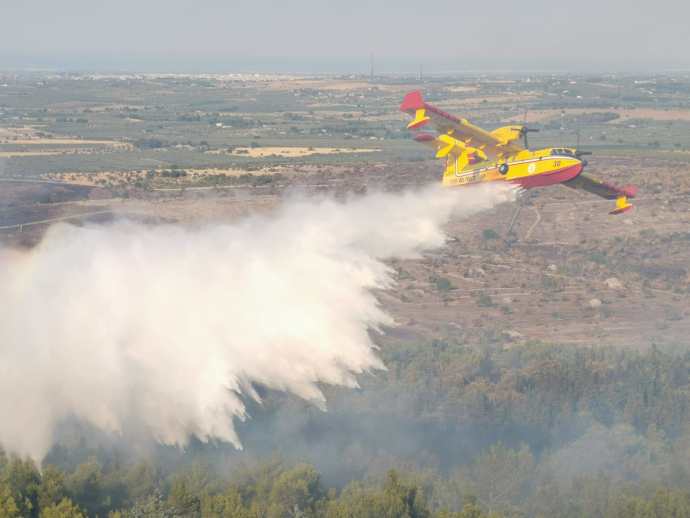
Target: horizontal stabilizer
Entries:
(420, 119)
(493, 144)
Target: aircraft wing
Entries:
(495, 143)
(606, 190)
(447, 146)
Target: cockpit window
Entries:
(561, 151)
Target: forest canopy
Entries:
(448, 431)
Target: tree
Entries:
(296, 492)
(87, 486)
(470, 510)
(8, 507)
(183, 499)
(140, 481)
(397, 499)
(65, 509)
(23, 479)
(152, 506)
(501, 476)
(401, 499)
(52, 489)
(226, 505)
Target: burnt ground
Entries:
(569, 273)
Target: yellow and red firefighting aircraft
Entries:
(475, 155)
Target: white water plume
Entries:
(167, 327)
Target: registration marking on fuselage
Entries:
(476, 175)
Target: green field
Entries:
(192, 122)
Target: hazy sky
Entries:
(444, 34)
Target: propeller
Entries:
(524, 131)
(579, 154)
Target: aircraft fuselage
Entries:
(527, 168)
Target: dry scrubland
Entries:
(570, 273)
(218, 149)
(537, 372)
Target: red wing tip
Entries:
(630, 191)
(622, 210)
(412, 101)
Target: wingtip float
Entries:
(474, 155)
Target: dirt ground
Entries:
(297, 152)
(129, 177)
(568, 273)
(533, 116)
(30, 137)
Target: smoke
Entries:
(167, 328)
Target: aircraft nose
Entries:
(584, 163)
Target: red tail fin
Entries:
(412, 101)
